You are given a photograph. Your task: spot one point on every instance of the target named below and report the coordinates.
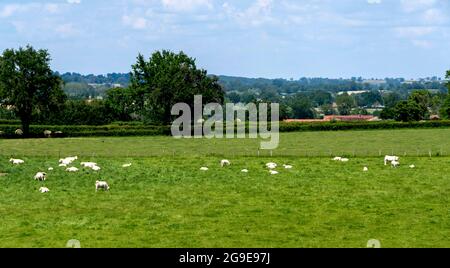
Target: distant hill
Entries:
(83, 86)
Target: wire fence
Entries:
(241, 152)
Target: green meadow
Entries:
(164, 200)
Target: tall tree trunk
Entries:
(26, 126)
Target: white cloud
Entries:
(417, 5)
(257, 14)
(76, 2)
(65, 30)
(374, 2)
(138, 23)
(12, 9)
(422, 43)
(51, 8)
(434, 16)
(414, 31)
(186, 5)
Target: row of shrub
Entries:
(335, 126)
(37, 131)
(9, 122)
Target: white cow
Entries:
(96, 168)
(271, 165)
(16, 161)
(101, 185)
(72, 169)
(224, 163)
(44, 190)
(390, 158)
(88, 164)
(395, 164)
(68, 160)
(40, 176)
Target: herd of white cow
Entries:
(103, 185)
(66, 162)
(393, 160)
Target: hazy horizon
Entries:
(251, 38)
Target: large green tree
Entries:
(407, 111)
(28, 84)
(345, 104)
(423, 99)
(302, 107)
(120, 103)
(168, 78)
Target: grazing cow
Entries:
(40, 176)
(44, 190)
(101, 185)
(96, 168)
(47, 133)
(68, 160)
(390, 158)
(72, 169)
(271, 165)
(16, 161)
(88, 164)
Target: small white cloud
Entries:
(52, 8)
(417, 5)
(72, 2)
(138, 23)
(65, 30)
(434, 16)
(414, 32)
(186, 5)
(374, 2)
(422, 43)
(12, 9)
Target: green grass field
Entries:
(164, 200)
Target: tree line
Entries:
(35, 94)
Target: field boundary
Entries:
(132, 130)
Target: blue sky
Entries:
(253, 38)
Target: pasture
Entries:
(164, 200)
